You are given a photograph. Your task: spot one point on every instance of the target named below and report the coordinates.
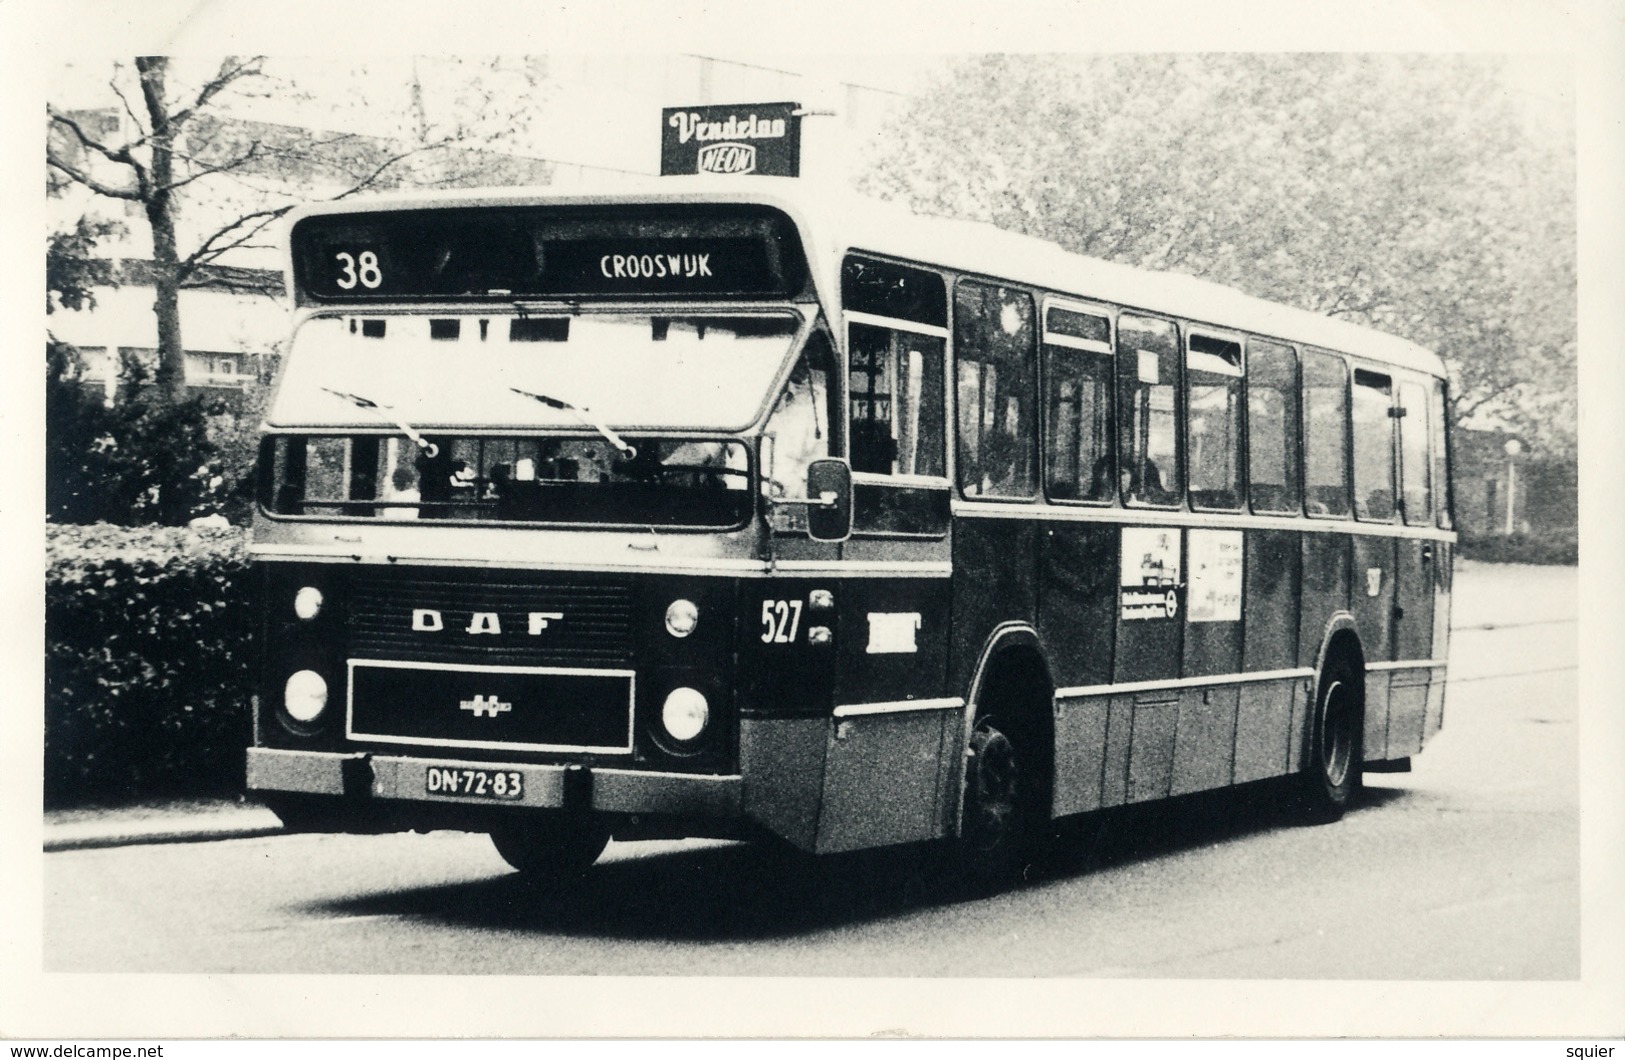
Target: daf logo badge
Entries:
(485, 706)
(426, 620)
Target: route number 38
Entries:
(780, 620)
(361, 270)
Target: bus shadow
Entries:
(742, 892)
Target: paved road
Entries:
(1467, 868)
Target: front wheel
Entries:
(994, 830)
(548, 849)
(1331, 778)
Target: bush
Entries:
(148, 662)
(1551, 547)
(142, 460)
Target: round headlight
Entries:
(681, 618)
(305, 695)
(307, 602)
(685, 714)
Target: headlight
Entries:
(307, 602)
(685, 714)
(681, 618)
(305, 695)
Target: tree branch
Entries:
(208, 170)
(215, 85)
(212, 247)
(121, 155)
(92, 183)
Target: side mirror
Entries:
(829, 495)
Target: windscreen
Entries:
(482, 370)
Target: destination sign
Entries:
(510, 253)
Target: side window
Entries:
(995, 349)
(1325, 427)
(894, 389)
(1373, 447)
(1272, 427)
(1077, 406)
(1441, 455)
(1213, 421)
(1414, 473)
(1147, 419)
(801, 428)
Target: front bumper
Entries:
(404, 779)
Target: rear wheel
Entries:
(1331, 778)
(550, 849)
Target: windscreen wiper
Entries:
(387, 414)
(626, 449)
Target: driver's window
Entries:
(800, 429)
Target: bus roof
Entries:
(836, 221)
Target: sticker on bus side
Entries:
(893, 633)
(1149, 573)
(1215, 566)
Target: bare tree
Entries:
(176, 144)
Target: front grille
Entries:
(468, 617)
(522, 708)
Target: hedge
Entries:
(1551, 547)
(148, 662)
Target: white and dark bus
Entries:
(722, 509)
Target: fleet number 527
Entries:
(780, 620)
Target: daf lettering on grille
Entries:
(485, 706)
(428, 620)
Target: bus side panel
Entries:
(1080, 753)
(1263, 729)
(886, 779)
(1077, 594)
(1114, 770)
(782, 762)
(1151, 747)
(1325, 590)
(1407, 710)
(893, 639)
(994, 568)
(1372, 599)
(1413, 607)
(887, 774)
(1442, 567)
(1377, 684)
(1270, 600)
(1205, 740)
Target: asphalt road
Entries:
(1466, 868)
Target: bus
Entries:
(737, 510)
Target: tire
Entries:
(550, 850)
(1332, 777)
(996, 828)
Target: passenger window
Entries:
(995, 347)
(1417, 507)
(1147, 393)
(897, 412)
(1272, 427)
(1373, 447)
(1326, 418)
(800, 429)
(1441, 455)
(1213, 421)
(1078, 406)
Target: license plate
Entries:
(508, 784)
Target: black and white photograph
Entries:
(922, 521)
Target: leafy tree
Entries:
(1404, 192)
